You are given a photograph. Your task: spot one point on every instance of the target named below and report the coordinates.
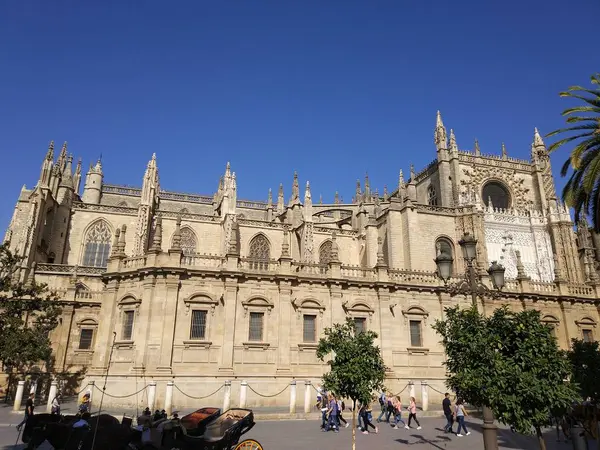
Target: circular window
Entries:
(497, 193)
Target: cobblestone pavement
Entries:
(305, 434)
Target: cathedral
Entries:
(202, 290)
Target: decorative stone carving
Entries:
(476, 176)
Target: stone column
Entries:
(108, 319)
(51, 395)
(169, 311)
(424, 396)
(169, 398)
(62, 349)
(386, 331)
(229, 330)
(411, 389)
(227, 396)
(285, 326)
(307, 396)
(151, 395)
(19, 395)
(144, 316)
(293, 397)
(243, 393)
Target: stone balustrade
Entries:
(337, 271)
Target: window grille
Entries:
(415, 334)
(97, 245)
(259, 253)
(360, 325)
(309, 328)
(198, 329)
(85, 339)
(127, 332)
(256, 326)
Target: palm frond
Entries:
(591, 175)
(581, 119)
(560, 143)
(577, 158)
(575, 109)
(590, 101)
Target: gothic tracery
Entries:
(97, 245)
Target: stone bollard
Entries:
(151, 395)
(169, 398)
(411, 389)
(307, 396)
(90, 390)
(52, 395)
(424, 395)
(227, 396)
(243, 393)
(19, 395)
(293, 397)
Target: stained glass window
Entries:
(97, 245)
(259, 253)
(432, 196)
(188, 241)
(325, 253)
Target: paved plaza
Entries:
(305, 434)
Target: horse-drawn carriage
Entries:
(204, 429)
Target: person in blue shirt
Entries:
(332, 413)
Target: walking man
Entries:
(28, 411)
(447, 407)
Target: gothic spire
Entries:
(412, 173)
(50, 153)
(150, 186)
(77, 179)
(280, 199)
(477, 149)
(385, 192)
(453, 146)
(176, 240)
(504, 154)
(270, 200)
(358, 198)
(157, 238)
(67, 176)
(401, 182)
(537, 139)
(335, 249)
(440, 133)
(367, 188)
(307, 203)
(295, 187)
(46, 172)
(336, 198)
(62, 157)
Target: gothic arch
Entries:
(445, 243)
(96, 243)
(189, 241)
(432, 197)
(325, 252)
(259, 251)
(123, 204)
(496, 189)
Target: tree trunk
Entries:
(540, 436)
(354, 425)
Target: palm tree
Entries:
(582, 191)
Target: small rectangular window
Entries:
(85, 339)
(127, 332)
(360, 325)
(256, 326)
(588, 336)
(309, 329)
(415, 334)
(198, 329)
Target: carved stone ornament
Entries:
(477, 176)
(257, 304)
(415, 313)
(200, 300)
(309, 305)
(129, 303)
(359, 308)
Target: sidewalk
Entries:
(8, 418)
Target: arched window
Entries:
(432, 196)
(97, 245)
(497, 193)
(188, 241)
(259, 253)
(325, 253)
(443, 245)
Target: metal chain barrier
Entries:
(122, 396)
(403, 389)
(436, 390)
(268, 396)
(198, 398)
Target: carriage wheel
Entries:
(249, 444)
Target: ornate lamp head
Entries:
(444, 265)
(469, 246)
(496, 272)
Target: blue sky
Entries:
(332, 89)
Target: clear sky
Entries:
(332, 89)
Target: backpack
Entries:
(390, 406)
(381, 402)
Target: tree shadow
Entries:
(420, 439)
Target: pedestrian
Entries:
(55, 407)
(447, 407)
(341, 408)
(83, 421)
(29, 407)
(382, 404)
(358, 408)
(397, 412)
(412, 414)
(332, 415)
(85, 404)
(324, 407)
(367, 417)
(460, 418)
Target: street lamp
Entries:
(472, 285)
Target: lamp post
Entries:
(472, 285)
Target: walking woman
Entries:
(460, 417)
(341, 407)
(397, 412)
(367, 417)
(412, 414)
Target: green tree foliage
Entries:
(28, 313)
(356, 366)
(585, 359)
(509, 362)
(582, 191)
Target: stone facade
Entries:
(163, 286)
